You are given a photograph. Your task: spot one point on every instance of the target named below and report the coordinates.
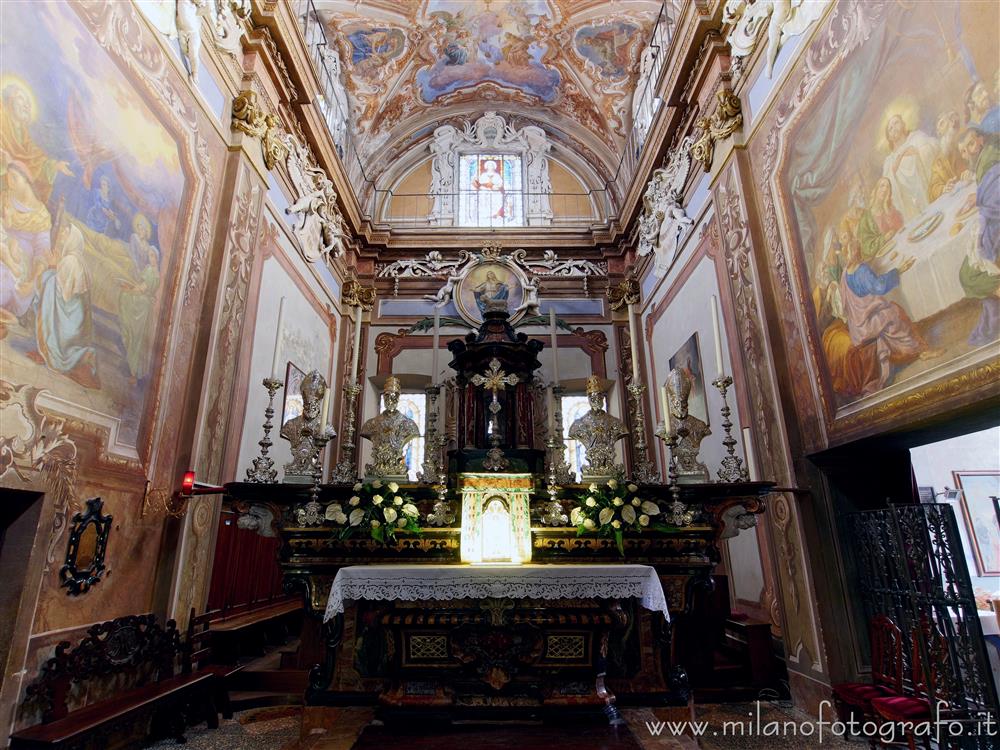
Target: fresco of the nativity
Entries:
(91, 189)
(893, 181)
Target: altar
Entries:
(499, 583)
(526, 636)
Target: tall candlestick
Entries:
(357, 343)
(555, 346)
(665, 406)
(718, 335)
(749, 454)
(633, 343)
(437, 341)
(277, 342)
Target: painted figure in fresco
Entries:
(101, 215)
(138, 297)
(949, 166)
(27, 228)
(908, 166)
(17, 144)
(880, 220)
(491, 293)
(63, 326)
(981, 109)
(870, 316)
(979, 274)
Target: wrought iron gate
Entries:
(912, 569)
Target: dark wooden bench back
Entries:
(134, 647)
(198, 644)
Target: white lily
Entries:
(356, 515)
(589, 524)
(390, 514)
(576, 516)
(410, 510)
(332, 510)
(628, 514)
(605, 516)
(591, 502)
(644, 520)
(650, 508)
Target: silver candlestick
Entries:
(563, 474)
(643, 471)
(263, 470)
(679, 513)
(430, 468)
(346, 470)
(732, 468)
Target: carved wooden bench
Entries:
(133, 651)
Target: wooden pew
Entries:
(135, 651)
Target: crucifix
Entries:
(494, 380)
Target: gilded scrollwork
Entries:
(723, 122)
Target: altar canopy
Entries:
(413, 583)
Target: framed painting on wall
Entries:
(291, 405)
(688, 358)
(979, 492)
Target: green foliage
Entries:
(380, 509)
(611, 509)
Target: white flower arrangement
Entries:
(612, 511)
(381, 515)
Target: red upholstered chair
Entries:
(854, 699)
(918, 709)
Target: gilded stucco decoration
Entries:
(723, 122)
(251, 118)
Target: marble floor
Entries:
(718, 727)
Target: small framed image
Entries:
(979, 506)
(291, 406)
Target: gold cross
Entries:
(495, 378)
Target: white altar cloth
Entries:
(421, 582)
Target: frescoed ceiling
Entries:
(566, 65)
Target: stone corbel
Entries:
(724, 121)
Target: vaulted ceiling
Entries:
(568, 66)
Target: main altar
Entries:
(500, 584)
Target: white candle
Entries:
(633, 343)
(552, 413)
(665, 406)
(357, 344)
(435, 345)
(751, 458)
(277, 341)
(324, 410)
(718, 336)
(555, 346)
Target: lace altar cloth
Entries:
(424, 582)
